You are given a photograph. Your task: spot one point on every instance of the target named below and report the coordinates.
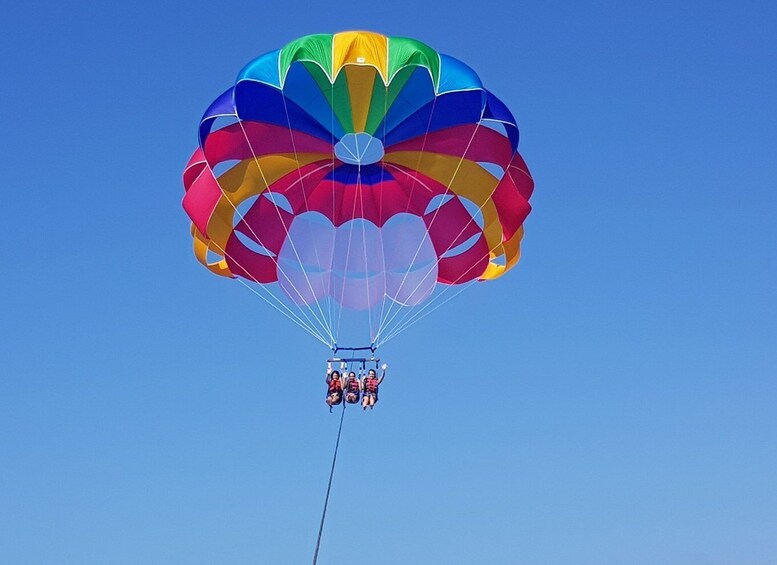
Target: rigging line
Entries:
(402, 325)
(305, 199)
(410, 198)
(421, 314)
(435, 298)
(472, 219)
(329, 485)
(360, 187)
(274, 259)
(330, 295)
(412, 322)
(405, 323)
(224, 252)
(316, 335)
(331, 290)
(387, 321)
(373, 337)
(234, 207)
(312, 329)
(347, 262)
(280, 217)
(412, 315)
(436, 211)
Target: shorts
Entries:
(352, 398)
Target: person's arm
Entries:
(383, 376)
(328, 372)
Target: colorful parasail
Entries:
(358, 173)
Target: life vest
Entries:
(335, 385)
(352, 385)
(371, 385)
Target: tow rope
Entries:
(329, 486)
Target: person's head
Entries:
(352, 375)
(335, 374)
(371, 372)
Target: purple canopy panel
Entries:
(305, 260)
(358, 282)
(410, 260)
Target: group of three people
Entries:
(353, 387)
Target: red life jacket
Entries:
(352, 385)
(335, 385)
(371, 385)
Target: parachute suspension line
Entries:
(242, 218)
(360, 189)
(434, 217)
(286, 229)
(310, 327)
(428, 229)
(347, 264)
(286, 311)
(273, 258)
(331, 302)
(401, 326)
(373, 336)
(274, 261)
(405, 323)
(407, 209)
(307, 208)
(436, 298)
(420, 314)
(424, 311)
(329, 485)
(291, 317)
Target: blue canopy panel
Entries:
(496, 110)
(417, 93)
(223, 106)
(263, 69)
(455, 75)
(259, 102)
(301, 87)
(451, 109)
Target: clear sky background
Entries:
(612, 401)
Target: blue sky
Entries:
(611, 401)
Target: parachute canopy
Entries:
(357, 171)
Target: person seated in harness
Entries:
(353, 387)
(370, 385)
(334, 393)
